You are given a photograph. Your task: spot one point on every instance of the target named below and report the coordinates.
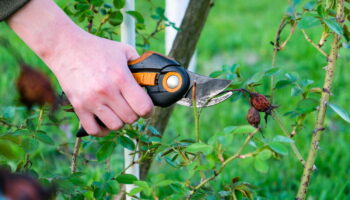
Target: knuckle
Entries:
(101, 90)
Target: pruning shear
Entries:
(167, 82)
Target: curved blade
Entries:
(206, 89)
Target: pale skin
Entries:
(92, 71)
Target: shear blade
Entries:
(206, 90)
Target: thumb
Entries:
(131, 53)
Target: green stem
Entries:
(292, 144)
(316, 136)
(216, 173)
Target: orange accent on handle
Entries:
(165, 85)
(144, 56)
(141, 58)
(145, 78)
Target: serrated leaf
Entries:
(216, 74)
(200, 147)
(341, 112)
(43, 137)
(272, 71)
(264, 155)
(105, 151)
(153, 130)
(281, 138)
(278, 148)
(126, 142)
(126, 179)
(283, 83)
(119, 4)
(334, 25)
(135, 191)
(261, 165)
(307, 105)
(244, 129)
(308, 22)
(138, 17)
(255, 78)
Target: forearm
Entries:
(44, 27)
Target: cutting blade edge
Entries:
(206, 90)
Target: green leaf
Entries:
(264, 155)
(281, 138)
(112, 187)
(135, 191)
(296, 91)
(278, 148)
(283, 83)
(138, 17)
(255, 78)
(308, 22)
(153, 130)
(115, 18)
(341, 112)
(96, 3)
(126, 179)
(200, 147)
(30, 145)
(261, 165)
(119, 4)
(105, 151)
(272, 71)
(333, 24)
(216, 74)
(43, 137)
(126, 142)
(10, 150)
(307, 105)
(244, 129)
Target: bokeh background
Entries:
(237, 32)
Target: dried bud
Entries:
(260, 102)
(253, 117)
(34, 88)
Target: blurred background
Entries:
(237, 32)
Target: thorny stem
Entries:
(75, 154)
(73, 165)
(224, 164)
(313, 44)
(316, 136)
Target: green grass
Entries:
(236, 32)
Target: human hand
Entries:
(94, 75)
(92, 71)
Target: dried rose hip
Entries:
(253, 117)
(34, 88)
(260, 102)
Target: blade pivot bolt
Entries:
(172, 81)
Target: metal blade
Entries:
(206, 89)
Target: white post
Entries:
(175, 11)
(128, 35)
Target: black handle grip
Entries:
(163, 91)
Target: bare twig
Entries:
(316, 136)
